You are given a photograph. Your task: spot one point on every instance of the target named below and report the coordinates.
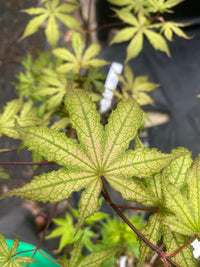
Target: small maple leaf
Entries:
(94, 259)
(79, 59)
(98, 152)
(52, 12)
(7, 257)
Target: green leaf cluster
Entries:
(51, 12)
(25, 113)
(144, 19)
(7, 257)
(79, 59)
(95, 259)
(135, 87)
(175, 213)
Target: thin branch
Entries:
(161, 253)
(24, 251)
(8, 150)
(183, 246)
(49, 258)
(137, 208)
(27, 163)
(45, 230)
(109, 25)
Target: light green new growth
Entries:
(95, 259)
(52, 12)
(143, 17)
(24, 113)
(176, 218)
(8, 258)
(79, 59)
(135, 87)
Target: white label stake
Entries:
(110, 84)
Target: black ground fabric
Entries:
(179, 79)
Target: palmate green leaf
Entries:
(186, 219)
(97, 153)
(173, 241)
(66, 230)
(25, 113)
(170, 27)
(79, 59)
(135, 87)
(51, 12)
(7, 258)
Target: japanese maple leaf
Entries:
(99, 152)
(7, 256)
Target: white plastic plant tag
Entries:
(196, 245)
(122, 261)
(110, 84)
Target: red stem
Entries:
(109, 25)
(27, 163)
(183, 246)
(161, 253)
(45, 230)
(137, 208)
(8, 150)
